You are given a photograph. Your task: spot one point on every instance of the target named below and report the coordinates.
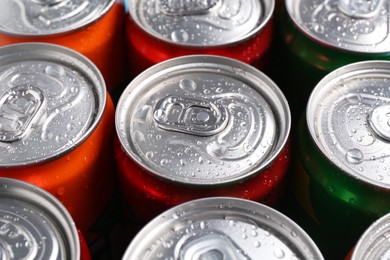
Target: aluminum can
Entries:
(342, 176)
(319, 36)
(374, 243)
(57, 126)
(199, 126)
(222, 228)
(94, 28)
(242, 30)
(35, 225)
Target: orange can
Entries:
(93, 28)
(56, 126)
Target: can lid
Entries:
(350, 25)
(203, 120)
(222, 228)
(49, 17)
(34, 224)
(201, 23)
(51, 99)
(374, 243)
(348, 116)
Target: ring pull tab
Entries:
(379, 121)
(20, 108)
(187, 7)
(361, 8)
(190, 115)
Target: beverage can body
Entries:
(36, 225)
(318, 37)
(199, 126)
(341, 176)
(224, 227)
(241, 31)
(93, 28)
(57, 126)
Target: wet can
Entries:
(242, 30)
(35, 225)
(319, 36)
(222, 228)
(374, 243)
(94, 28)
(342, 178)
(199, 126)
(57, 126)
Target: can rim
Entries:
(318, 91)
(158, 70)
(64, 30)
(250, 35)
(76, 60)
(50, 205)
(220, 207)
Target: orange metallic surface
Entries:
(102, 42)
(83, 179)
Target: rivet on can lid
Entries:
(361, 9)
(379, 120)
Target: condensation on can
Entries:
(348, 25)
(207, 123)
(56, 126)
(35, 225)
(223, 228)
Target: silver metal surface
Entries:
(348, 117)
(34, 224)
(48, 17)
(201, 22)
(374, 243)
(203, 120)
(51, 99)
(222, 228)
(350, 25)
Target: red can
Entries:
(94, 28)
(57, 126)
(160, 30)
(201, 126)
(35, 225)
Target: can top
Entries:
(34, 224)
(203, 120)
(51, 99)
(222, 228)
(49, 17)
(374, 243)
(350, 25)
(201, 23)
(348, 116)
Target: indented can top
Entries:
(374, 243)
(51, 99)
(222, 228)
(351, 25)
(203, 120)
(34, 224)
(348, 115)
(48, 17)
(201, 22)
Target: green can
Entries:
(319, 36)
(342, 174)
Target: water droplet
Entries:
(279, 253)
(354, 156)
(353, 98)
(188, 85)
(55, 71)
(138, 136)
(61, 191)
(256, 244)
(180, 36)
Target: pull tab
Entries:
(187, 7)
(361, 8)
(379, 120)
(190, 115)
(210, 246)
(19, 110)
